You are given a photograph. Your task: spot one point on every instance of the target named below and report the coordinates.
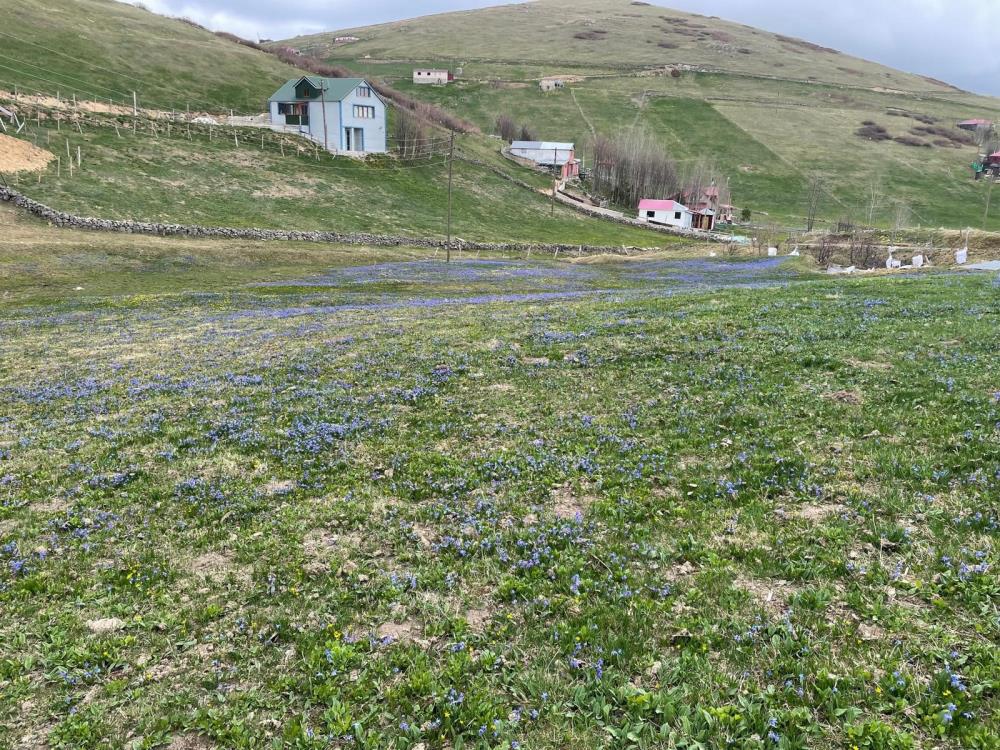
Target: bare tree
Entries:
(901, 218)
(506, 128)
(874, 199)
(410, 135)
(633, 168)
(863, 251)
(527, 134)
(824, 252)
(815, 190)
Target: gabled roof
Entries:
(337, 89)
(654, 205)
(542, 146)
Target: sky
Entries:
(954, 40)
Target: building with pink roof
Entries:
(668, 213)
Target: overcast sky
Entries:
(954, 40)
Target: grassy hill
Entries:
(227, 181)
(615, 35)
(101, 49)
(771, 112)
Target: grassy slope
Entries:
(765, 126)
(545, 32)
(124, 48)
(172, 63)
(216, 183)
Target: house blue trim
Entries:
(340, 105)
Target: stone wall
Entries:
(129, 226)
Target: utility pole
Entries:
(555, 183)
(989, 199)
(451, 173)
(135, 105)
(322, 98)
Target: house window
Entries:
(677, 215)
(361, 112)
(651, 214)
(364, 92)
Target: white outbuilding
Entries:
(667, 213)
(432, 76)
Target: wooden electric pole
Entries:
(989, 199)
(555, 183)
(322, 96)
(451, 174)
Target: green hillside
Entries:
(608, 34)
(231, 181)
(770, 112)
(102, 49)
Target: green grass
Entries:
(542, 35)
(339, 511)
(768, 137)
(769, 119)
(214, 182)
(101, 49)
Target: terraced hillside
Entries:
(101, 49)
(771, 112)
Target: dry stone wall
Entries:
(129, 226)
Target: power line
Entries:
(95, 66)
(54, 83)
(63, 75)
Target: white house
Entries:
(669, 213)
(340, 114)
(432, 76)
(551, 84)
(561, 156)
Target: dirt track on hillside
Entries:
(20, 156)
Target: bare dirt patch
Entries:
(399, 632)
(20, 156)
(680, 571)
(105, 625)
(190, 742)
(883, 366)
(276, 487)
(318, 546)
(814, 513)
(567, 505)
(213, 565)
(477, 619)
(425, 535)
(846, 397)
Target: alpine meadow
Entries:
(550, 375)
